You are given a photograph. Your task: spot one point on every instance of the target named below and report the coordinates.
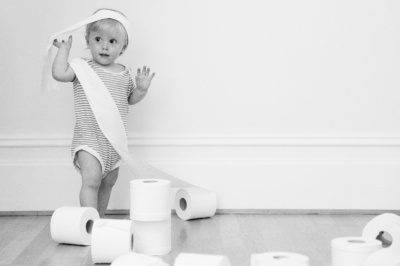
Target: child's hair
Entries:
(107, 24)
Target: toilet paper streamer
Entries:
(73, 225)
(110, 122)
(279, 259)
(150, 199)
(387, 222)
(353, 251)
(136, 259)
(192, 259)
(111, 238)
(383, 257)
(194, 203)
(152, 238)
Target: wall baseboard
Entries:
(65, 141)
(247, 174)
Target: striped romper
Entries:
(87, 133)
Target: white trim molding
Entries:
(247, 173)
(53, 141)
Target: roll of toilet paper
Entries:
(195, 202)
(383, 257)
(387, 222)
(150, 199)
(152, 238)
(73, 225)
(173, 195)
(279, 259)
(192, 259)
(353, 251)
(136, 259)
(111, 238)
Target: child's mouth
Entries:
(104, 55)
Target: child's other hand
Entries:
(66, 44)
(143, 79)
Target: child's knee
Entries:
(91, 180)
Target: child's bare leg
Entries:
(91, 179)
(105, 191)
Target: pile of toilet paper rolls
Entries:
(366, 250)
(279, 259)
(150, 211)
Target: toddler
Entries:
(92, 153)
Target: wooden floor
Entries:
(26, 240)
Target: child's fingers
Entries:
(145, 71)
(56, 43)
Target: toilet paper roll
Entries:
(152, 238)
(353, 251)
(173, 196)
(191, 259)
(136, 259)
(73, 225)
(383, 257)
(387, 222)
(279, 259)
(150, 199)
(194, 203)
(111, 239)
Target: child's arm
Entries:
(143, 81)
(61, 70)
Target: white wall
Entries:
(274, 104)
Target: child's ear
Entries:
(87, 40)
(123, 49)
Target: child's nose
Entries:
(104, 46)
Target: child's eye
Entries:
(113, 41)
(97, 39)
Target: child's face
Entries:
(106, 46)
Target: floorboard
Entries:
(26, 240)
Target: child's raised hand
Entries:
(143, 79)
(66, 44)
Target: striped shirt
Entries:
(87, 133)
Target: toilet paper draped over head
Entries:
(48, 82)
